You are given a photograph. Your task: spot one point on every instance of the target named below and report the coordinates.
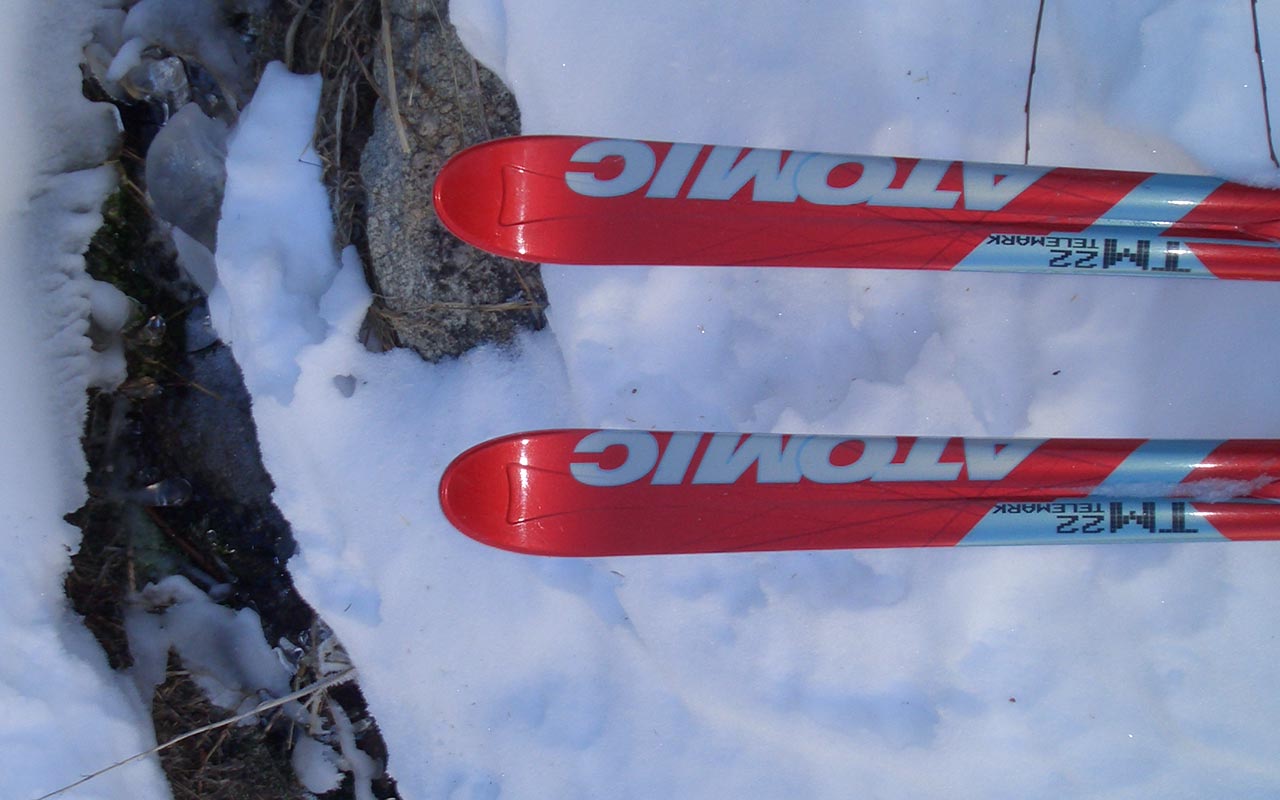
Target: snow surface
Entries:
(1109, 671)
(65, 712)
(1112, 671)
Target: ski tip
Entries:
(468, 197)
(490, 193)
(474, 495)
(482, 495)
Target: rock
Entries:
(441, 297)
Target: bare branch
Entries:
(1031, 75)
(1262, 78)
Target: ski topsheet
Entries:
(574, 200)
(615, 492)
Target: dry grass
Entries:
(223, 763)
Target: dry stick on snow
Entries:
(1262, 77)
(1031, 75)
(319, 686)
(393, 96)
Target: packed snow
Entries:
(1106, 671)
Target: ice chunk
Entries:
(196, 261)
(161, 81)
(186, 173)
(194, 30)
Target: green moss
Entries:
(121, 242)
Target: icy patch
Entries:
(109, 311)
(315, 764)
(225, 654)
(126, 58)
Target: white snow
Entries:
(1112, 671)
(65, 713)
(314, 764)
(1121, 671)
(223, 651)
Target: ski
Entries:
(575, 200)
(623, 492)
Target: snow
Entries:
(65, 712)
(313, 763)
(1110, 671)
(222, 650)
(271, 292)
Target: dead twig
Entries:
(368, 76)
(1031, 75)
(1262, 79)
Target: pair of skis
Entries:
(576, 200)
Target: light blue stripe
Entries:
(1133, 225)
(1159, 201)
(1158, 463)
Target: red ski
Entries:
(614, 492)
(575, 200)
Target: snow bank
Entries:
(1108, 671)
(66, 714)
